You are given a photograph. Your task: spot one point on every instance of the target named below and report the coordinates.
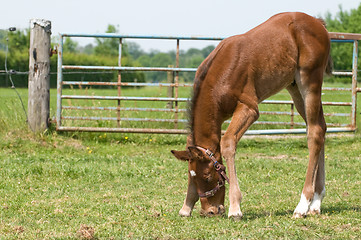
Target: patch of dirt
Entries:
(278, 157)
(85, 232)
(70, 142)
(19, 229)
(58, 211)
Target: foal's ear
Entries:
(197, 153)
(181, 155)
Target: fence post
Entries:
(119, 80)
(354, 84)
(170, 91)
(39, 75)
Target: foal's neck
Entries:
(206, 129)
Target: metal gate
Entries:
(143, 107)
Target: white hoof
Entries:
(236, 217)
(315, 207)
(235, 214)
(185, 212)
(302, 208)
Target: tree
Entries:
(348, 22)
(70, 46)
(18, 55)
(161, 60)
(88, 49)
(207, 50)
(109, 46)
(3, 34)
(144, 60)
(134, 50)
(345, 21)
(19, 40)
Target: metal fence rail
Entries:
(175, 100)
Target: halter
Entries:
(221, 170)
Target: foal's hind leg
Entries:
(319, 185)
(242, 118)
(307, 99)
(320, 190)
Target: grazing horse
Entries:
(290, 50)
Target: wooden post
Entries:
(39, 75)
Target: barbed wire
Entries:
(9, 73)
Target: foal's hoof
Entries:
(235, 217)
(184, 213)
(297, 215)
(314, 212)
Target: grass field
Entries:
(115, 186)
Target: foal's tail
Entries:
(329, 66)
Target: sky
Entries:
(219, 18)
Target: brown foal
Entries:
(290, 50)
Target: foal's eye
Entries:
(208, 177)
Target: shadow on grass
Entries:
(327, 210)
(249, 215)
(252, 215)
(338, 208)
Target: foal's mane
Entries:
(200, 76)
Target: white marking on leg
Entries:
(186, 211)
(315, 207)
(302, 207)
(193, 173)
(191, 197)
(235, 197)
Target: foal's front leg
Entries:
(192, 194)
(242, 118)
(191, 198)
(235, 195)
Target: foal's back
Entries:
(257, 64)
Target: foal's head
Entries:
(202, 172)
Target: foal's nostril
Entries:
(213, 211)
(221, 210)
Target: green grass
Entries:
(130, 186)
(59, 185)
